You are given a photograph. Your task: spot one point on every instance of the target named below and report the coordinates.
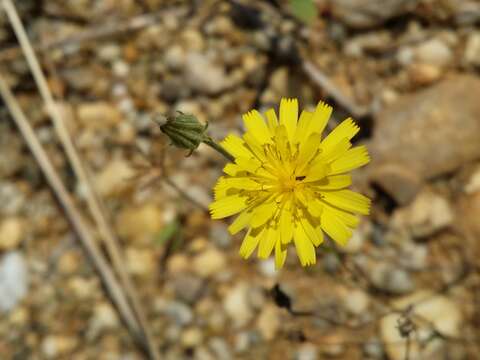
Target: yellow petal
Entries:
(241, 222)
(286, 226)
(333, 182)
(272, 120)
(315, 208)
(255, 146)
(281, 140)
(250, 165)
(352, 159)
(250, 242)
(289, 116)
(267, 242)
(316, 172)
(346, 217)
(331, 152)
(227, 206)
(316, 237)
(320, 118)
(232, 169)
(305, 249)
(346, 129)
(263, 213)
(301, 134)
(280, 255)
(348, 200)
(335, 228)
(236, 146)
(307, 151)
(256, 126)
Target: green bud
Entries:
(185, 131)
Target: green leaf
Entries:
(305, 10)
(168, 232)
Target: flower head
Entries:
(289, 184)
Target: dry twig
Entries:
(93, 201)
(80, 227)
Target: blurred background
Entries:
(407, 286)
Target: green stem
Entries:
(209, 141)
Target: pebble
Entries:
(175, 58)
(403, 134)
(191, 337)
(332, 345)
(242, 341)
(220, 348)
(176, 310)
(70, 261)
(426, 215)
(236, 305)
(203, 75)
(139, 224)
(306, 352)
(471, 55)
(98, 115)
(11, 233)
(465, 12)
(104, 317)
(267, 268)
(83, 288)
(394, 280)
(361, 14)
(209, 262)
(473, 184)
(178, 263)
(14, 279)
(114, 178)
(356, 302)
(424, 74)
(220, 235)
(54, 346)
(331, 263)
(433, 52)
(374, 349)
(467, 215)
(414, 256)
(12, 198)
(188, 288)
(355, 243)
(268, 322)
(140, 261)
(438, 310)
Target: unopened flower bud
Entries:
(185, 131)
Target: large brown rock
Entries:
(425, 135)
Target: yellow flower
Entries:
(288, 183)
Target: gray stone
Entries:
(433, 52)
(220, 348)
(181, 313)
(306, 352)
(188, 288)
(368, 13)
(13, 280)
(472, 49)
(374, 349)
(220, 235)
(203, 75)
(391, 279)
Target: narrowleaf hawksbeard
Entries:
(287, 183)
